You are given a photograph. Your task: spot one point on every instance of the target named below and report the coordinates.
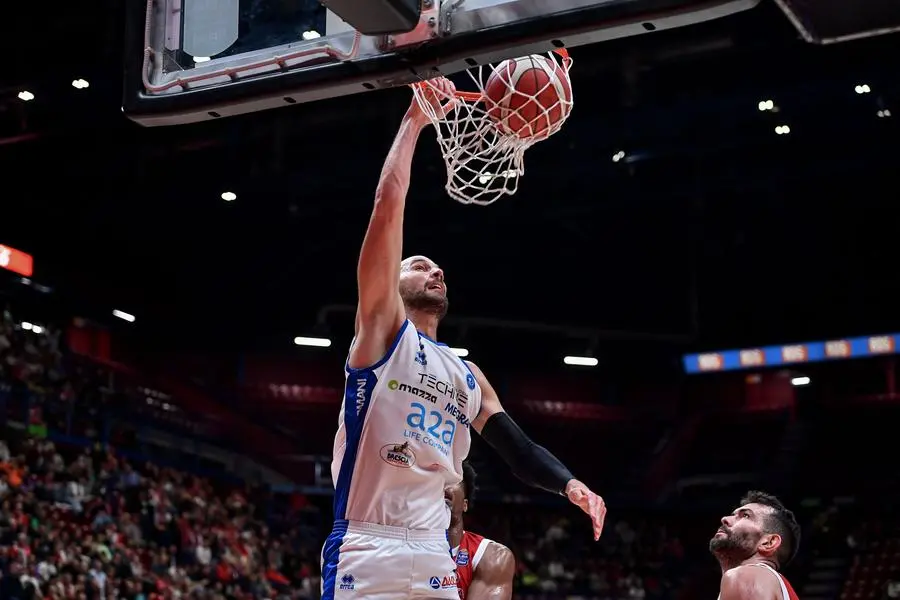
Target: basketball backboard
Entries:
(830, 21)
(195, 60)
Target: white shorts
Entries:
(377, 562)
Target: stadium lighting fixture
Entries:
(312, 341)
(581, 361)
(123, 315)
(800, 380)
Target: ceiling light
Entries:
(123, 315)
(312, 341)
(581, 361)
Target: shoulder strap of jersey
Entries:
(784, 591)
(479, 552)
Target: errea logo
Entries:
(347, 582)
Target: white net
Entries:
(484, 135)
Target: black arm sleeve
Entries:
(529, 462)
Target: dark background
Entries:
(713, 231)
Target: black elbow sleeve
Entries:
(530, 462)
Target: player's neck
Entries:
(455, 533)
(727, 563)
(426, 323)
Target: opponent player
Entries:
(409, 405)
(484, 568)
(752, 545)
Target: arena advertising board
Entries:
(791, 354)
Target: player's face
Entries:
(742, 533)
(455, 498)
(422, 285)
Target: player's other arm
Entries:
(380, 310)
(749, 583)
(530, 462)
(493, 577)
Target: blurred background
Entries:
(166, 424)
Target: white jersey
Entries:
(403, 433)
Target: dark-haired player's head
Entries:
(762, 527)
(459, 497)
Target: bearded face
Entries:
(742, 534)
(422, 286)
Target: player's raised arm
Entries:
(493, 579)
(531, 463)
(380, 310)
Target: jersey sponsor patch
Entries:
(398, 455)
(470, 381)
(442, 583)
(462, 557)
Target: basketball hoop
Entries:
(484, 136)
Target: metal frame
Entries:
(807, 34)
(468, 46)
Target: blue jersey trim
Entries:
(330, 556)
(431, 340)
(386, 356)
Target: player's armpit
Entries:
(749, 583)
(530, 462)
(494, 575)
(380, 311)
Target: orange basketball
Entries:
(528, 97)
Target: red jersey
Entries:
(787, 592)
(467, 556)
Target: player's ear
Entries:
(465, 505)
(769, 544)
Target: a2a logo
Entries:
(398, 455)
(432, 423)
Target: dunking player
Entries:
(409, 404)
(752, 545)
(484, 568)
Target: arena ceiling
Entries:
(712, 230)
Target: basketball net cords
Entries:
(483, 161)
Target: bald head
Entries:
(407, 263)
(422, 286)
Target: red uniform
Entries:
(467, 556)
(787, 592)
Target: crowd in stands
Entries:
(83, 521)
(86, 524)
(92, 527)
(558, 558)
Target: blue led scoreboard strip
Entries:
(791, 354)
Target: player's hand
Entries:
(589, 502)
(440, 94)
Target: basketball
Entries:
(528, 97)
